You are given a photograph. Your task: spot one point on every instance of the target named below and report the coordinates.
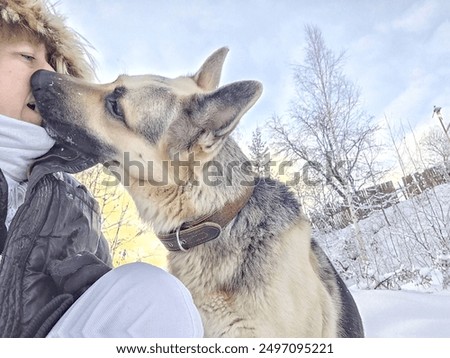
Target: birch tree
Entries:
(327, 128)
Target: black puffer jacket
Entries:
(54, 249)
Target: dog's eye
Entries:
(113, 106)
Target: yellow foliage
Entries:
(129, 238)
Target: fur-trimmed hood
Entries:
(67, 49)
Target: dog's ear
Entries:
(208, 76)
(217, 114)
(207, 119)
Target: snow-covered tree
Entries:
(327, 128)
(259, 154)
(436, 146)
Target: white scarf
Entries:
(20, 144)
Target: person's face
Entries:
(18, 61)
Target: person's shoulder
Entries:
(69, 179)
(77, 189)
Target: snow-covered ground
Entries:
(405, 247)
(404, 314)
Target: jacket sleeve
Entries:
(54, 252)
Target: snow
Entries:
(401, 290)
(404, 314)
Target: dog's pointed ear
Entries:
(208, 76)
(207, 119)
(218, 113)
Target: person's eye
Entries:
(27, 57)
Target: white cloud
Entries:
(418, 17)
(412, 100)
(440, 41)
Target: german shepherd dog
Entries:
(238, 242)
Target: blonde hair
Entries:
(38, 22)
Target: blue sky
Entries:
(397, 51)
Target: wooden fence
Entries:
(381, 196)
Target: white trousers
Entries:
(133, 300)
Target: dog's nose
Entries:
(41, 79)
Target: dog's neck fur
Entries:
(168, 207)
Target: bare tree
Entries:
(120, 221)
(259, 154)
(327, 128)
(436, 146)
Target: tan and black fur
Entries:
(264, 276)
